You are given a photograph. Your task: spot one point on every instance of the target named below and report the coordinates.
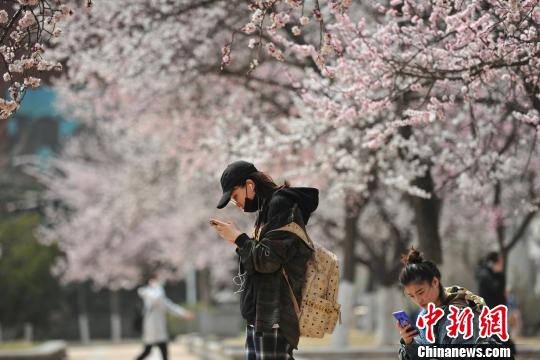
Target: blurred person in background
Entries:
(155, 308)
(492, 284)
(491, 279)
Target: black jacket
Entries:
(267, 292)
(491, 286)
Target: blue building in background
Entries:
(38, 128)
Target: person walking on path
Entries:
(155, 308)
(270, 259)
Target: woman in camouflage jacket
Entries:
(421, 281)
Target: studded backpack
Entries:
(318, 311)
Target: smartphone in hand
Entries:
(403, 318)
(215, 222)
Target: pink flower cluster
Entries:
(21, 50)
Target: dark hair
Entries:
(264, 185)
(491, 257)
(264, 188)
(418, 270)
(151, 275)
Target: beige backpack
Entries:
(319, 311)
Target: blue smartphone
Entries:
(402, 317)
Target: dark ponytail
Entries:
(264, 188)
(418, 270)
(264, 185)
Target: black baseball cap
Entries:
(235, 174)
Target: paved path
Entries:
(124, 351)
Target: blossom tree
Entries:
(152, 77)
(420, 82)
(26, 26)
(432, 99)
(132, 84)
(160, 57)
(399, 106)
(466, 76)
(118, 208)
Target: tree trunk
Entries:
(116, 325)
(426, 217)
(346, 297)
(28, 332)
(500, 227)
(426, 211)
(352, 214)
(84, 327)
(204, 286)
(388, 300)
(191, 284)
(347, 290)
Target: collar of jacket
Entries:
(461, 297)
(294, 215)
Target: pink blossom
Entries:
(29, 2)
(253, 43)
(27, 20)
(280, 19)
(32, 82)
(3, 17)
(274, 52)
(249, 28)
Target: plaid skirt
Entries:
(267, 345)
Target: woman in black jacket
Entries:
(265, 300)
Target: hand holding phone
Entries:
(215, 222)
(402, 317)
(405, 326)
(227, 230)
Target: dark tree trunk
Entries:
(352, 215)
(426, 218)
(426, 211)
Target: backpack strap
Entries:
(293, 297)
(297, 230)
